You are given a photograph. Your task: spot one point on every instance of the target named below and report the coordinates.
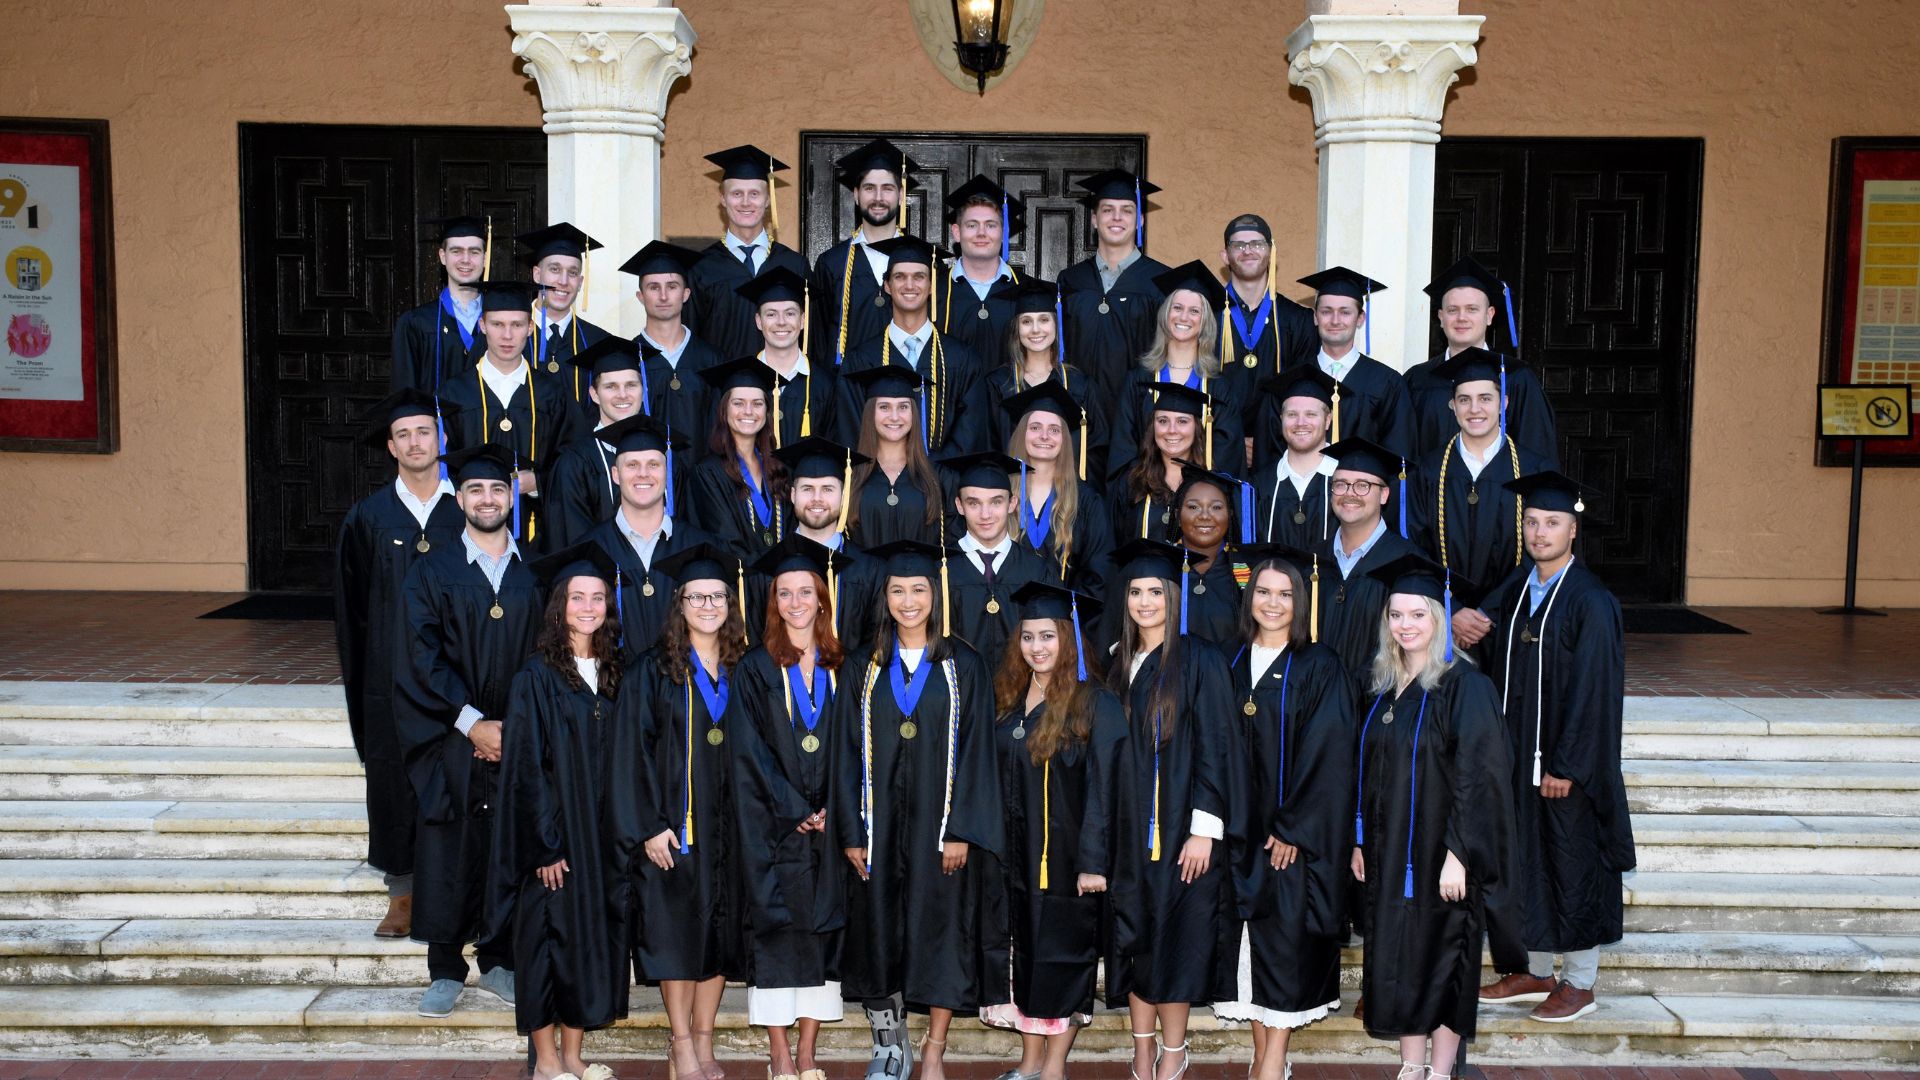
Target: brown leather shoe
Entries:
(399, 920)
(1567, 1002)
(1360, 1008)
(1516, 988)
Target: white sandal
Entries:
(1186, 1060)
(1156, 1057)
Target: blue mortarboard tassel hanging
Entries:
(513, 527)
(1246, 512)
(1184, 562)
(1447, 595)
(1402, 497)
(1079, 646)
(1005, 240)
(1513, 342)
(1059, 334)
(1139, 218)
(669, 479)
(617, 601)
(1366, 323)
(440, 425)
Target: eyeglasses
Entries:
(1355, 487)
(705, 599)
(1239, 247)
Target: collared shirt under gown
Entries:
(988, 630)
(1373, 405)
(1482, 530)
(720, 315)
(1350, 607)
(1282, 515)
(1530, 418)
(534, 423)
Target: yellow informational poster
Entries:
(1886, 340)
(1860, 411)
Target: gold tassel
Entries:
(846, 492)
(1313, 612)
(773, 210)
(486, 253)
(901, 224)
(1046, 818)
(580, 301)
(944, 613)
(1206, 418)
(740, 573)
(1336, 410)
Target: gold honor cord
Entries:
(1206, 418)
(533, 433)
(931, 410)
(486, 253)
(1046, 818)
(686, 837)
(866, 755)
(846, 293)
(1519, 515)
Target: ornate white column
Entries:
(604, 72)
(1379, 71)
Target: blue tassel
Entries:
(1059, 334)
(1403, 497)
(1183, 594)
(618, 607)
(1359, 829)
(1246, 512)
(1365, 303)
(1448, 628)
(1407, 891)
(646, 396)
(1004, 239)
(1139, 222)
(1079, 649)
(669, 480)
(440, 425)
(513, 527)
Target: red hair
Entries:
(781, 647)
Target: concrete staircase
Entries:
(180, 874)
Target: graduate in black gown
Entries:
(1291, 502)
(508, 401)
(819, 473)
(645, 529)
(849, 307)
(681, 711)
(900, 494)
(1372, 403)
(1058, 739)
(557, 258)
(1559, 660)
(441, 339)
(990, 564)
(719, 311)
(1433, 828)
(473, 612)
(1170, 943)
(379, 540)
(580, 491)
(556, 890)
(915, 809)
(736, 486)
(1215, 519)
(1367, 494)
(1186, 352)
(1467, 300)
(1291, 871)
(1056, 512)
(971, 297)
(1109, 298)
(1142, 507)
(674, 354)
(783, 744)
(1032, 354)
(806, 398)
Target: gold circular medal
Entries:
(1166, 515)
(715, 736)
(981, 314)
(422, 546)
(497, 611)
(909, 729)
(893, 498)
(553, 366)
(993, 605)
(810, 743)
(1251, 360)
(646, 587)
(1249, 708)
(506, 423)
(1200, 588)
(1473, 496)
(1019, 733)
(766, 537)
(880, 300)
(674, 383)
(1104, 308)
(1299, 517)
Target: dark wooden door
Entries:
(1040, 169)
(332, 249)
(1599, 239)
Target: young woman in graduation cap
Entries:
(681, 714)
(1056, 511)
(735, 486)
(556, 891)
(1058, 738)
(1433, 827)
(782, 747)
(900, 494)
(1290, 870)
(1175, 431)
(1185, 352)
(1169, 914)
(1215, 514)
(1035, 356)
(916, 811)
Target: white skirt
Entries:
(781, 1006)
(1245, 1011)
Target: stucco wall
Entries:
(1767, 85)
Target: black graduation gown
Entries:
(724, 509)
(880, 522)
(1171, 942)
(378, 543)
(1152, 518)
(580, 494)
(1134, 414)
(980, 325)
(1281, 516)
(1482, 535)
(1104, 344)
(690, 918)
(556, 781)
(938, 939)
(1350, 609)
(553, 351)
(1299, 745)
(791, 881)
(1088, 547)
(722, 317)
(1373, 405)
(842, 274)
(539, 425)
(1054, 810)
(956, 395)
(457, 654)
(812, 399)
(429, 348)
(1529, 415)
(1003, 382)
(1288, 338)
(1422, 966)
(1572, 851)
(687, 409)
(644, 616)
(987, 631)
(859, 599)
(1213, 600)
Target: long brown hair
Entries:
(554, 646)
(1299, 632)
(674, 656)
(1147, 476)
(720, 445)
(780, 646)
(1066, 716)
(919, 468)
(1066, 484)
(1163, 698)
(939, 646)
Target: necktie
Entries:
(986, 564)
(746, 255)
(554, 339)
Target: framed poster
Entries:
(57, 386)
(1871, 322)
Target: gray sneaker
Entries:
(498, 982)
(440, 997)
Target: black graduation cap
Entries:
(1473, 364)
(1012, 209)
(1195, 276)
(1305, 380)
(1030, 296)
(506, 296)
(855, 164)
(585, 559)
(459, 225)
(638, 433)
(701, 562)
(772, 286)
(796, 552)
(1340, 281)
(395, 406)
(560, 238)
(488, 461)
(909, 558)
(1413, 574)
(660, 257)
(904, 250)
(743, 373)
(986, 469)
(1180, 398)
(608, 355)
(1115, 184)
(1257, 555)
(814, 457)
(1550, 490)
(746, 163)
(888, 381)
(1364, 456)
(1048, 396)
(1469, 273)
(1149, 558)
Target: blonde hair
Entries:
(1208, 363)
(1388, 661)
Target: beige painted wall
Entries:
(1767, 85)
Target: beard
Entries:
(487, 521)
(885, 214)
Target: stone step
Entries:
(190, 889)
(286, 1021)
(172, 714)
(162, 829)
(1773, 787)
(1771, 729)
(1810, 844)
(180, 772)
(1682, 902)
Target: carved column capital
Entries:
(602, 69)
(1380, 78)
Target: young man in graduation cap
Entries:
(970, 299)
(473, 612)
(806, 397)
(1291, 499)
(441, 339)
(1367, 483)
(1110, 299)
(381, 537)
(850, 307)
(992, 566)
(1467, 300)
(1265, 332)
(718, 310)
(580, 490)
(674, 355)
(1372, 401)
(643, 530)
(818, 472)
(507, 400)
(953, 403)
(1558, 655)
(557, 256)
